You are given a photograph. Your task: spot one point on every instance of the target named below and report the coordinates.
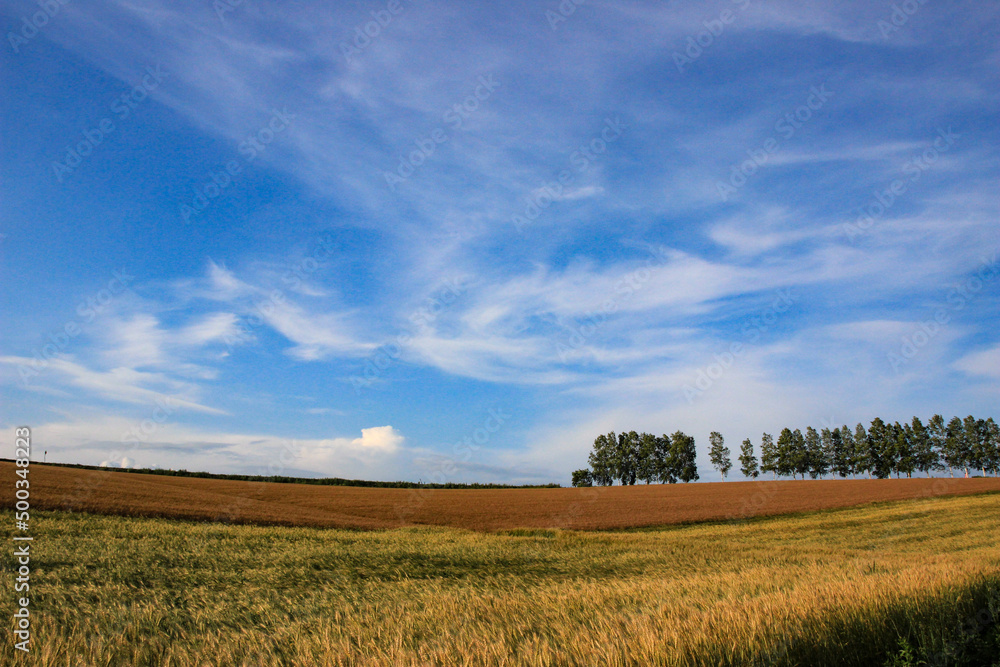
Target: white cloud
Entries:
(136, 342)
(125, 462)
(984, 363)
(219, 284)
(142, 442)
(211, 328)
(378, 438)
(120, 384)
(316, 335)
(567, 194)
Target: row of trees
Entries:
(628, 457)
(880, 450)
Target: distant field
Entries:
(845, 587)
(598, 508)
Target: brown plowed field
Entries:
(133, 494)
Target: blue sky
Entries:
(251, 238)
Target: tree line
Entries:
(880, 450)
(317, 481)
(630, 457)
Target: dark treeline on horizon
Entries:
(285, 479)
(880, 450)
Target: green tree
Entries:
(937, 430)
(786, 454)
(800, 454)
(666, 466)
(994, 439)
(925, 457)
(685, 456)
(601, 459)
(891, 448)
(862, 452)
(980, 446)
(768, 455)
(847, 438)
(905, 459)
(647, 468)
(881, 445)
(816, 457)
(748, 462)
(582, 478)
(719, 454)
(840, 462)
(626, 458)
(994, 431)
(956, 453)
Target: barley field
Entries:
(892, 583)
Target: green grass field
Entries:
(855, 586)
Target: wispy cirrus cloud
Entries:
(121, 384)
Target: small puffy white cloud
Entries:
(379, 438)
(376, 449)
(125, 462)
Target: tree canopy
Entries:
(880, 450)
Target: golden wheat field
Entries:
(849, 586)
